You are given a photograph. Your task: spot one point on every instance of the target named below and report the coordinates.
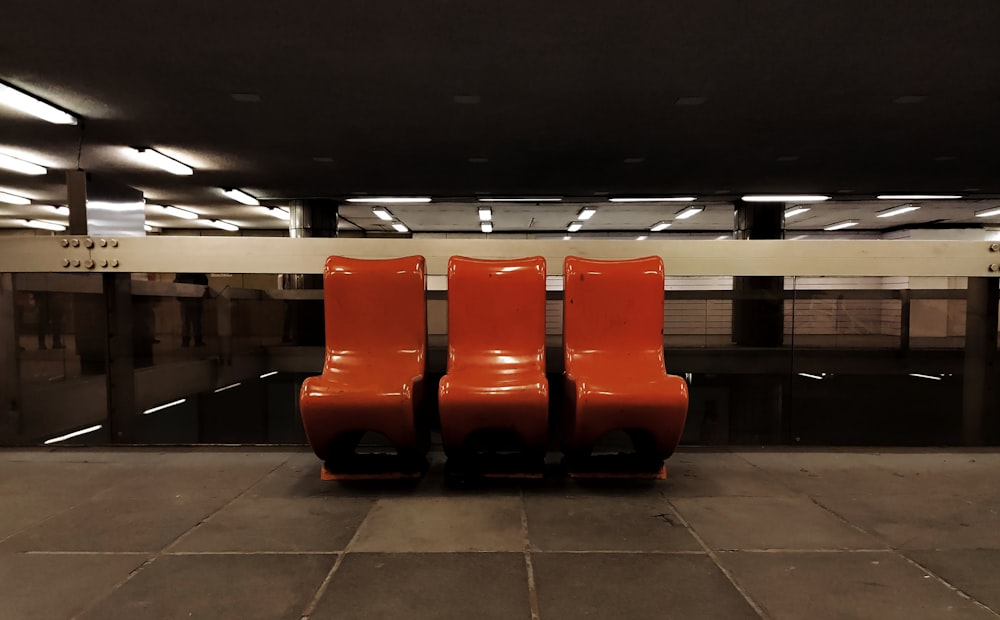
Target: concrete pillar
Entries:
(314, 217)
(979, 391)
(758, 306)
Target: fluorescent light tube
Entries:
(82, 431)
(810, 376)
(278, 212)
(382, 214)
(223, 225)
(158, 159)
(486, 227)
(551, 199)
(988, 212)
(392, 199)
(784, 198)
(32, 105)
(60, 210)
(162, 407)
(242, 197)
(723, 237)
(798, 237)
(918, 197)
(795, 211)
(842, 225)
(689, 212)
(671, 199)
(400, 227)
(642, 237)
(43, 225)
(894, 211)
(657, 227)
(14, 164)
(269, 374)
(574, 226)
(228, 387)
(485, 214)
(184, 214)
(586, 213)
(923, 376)
(13, 199)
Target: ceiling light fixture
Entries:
(657, 227)
(671, 199)
(34, 106)
(784, 198)
(82, 431)
(391, 200)
(586, 213)
(486, 227)
(173, 403)
(43, 225)
(382, 213)
(241, 197)
(550, 199)
(920, 375)
(223, 225)
(574, 226)
(184, 214)
(723, 237)
(485, 214)
(689, 212)
(918, 197)
(400, 227)
(13, 199)
(60, 210)
(642, 237)
(278, 212)
(894, 211)
(147, 228)
(158, 159)
(14, 164)
(988, 212)
(809, 375)
(842, 225)
(795, 211)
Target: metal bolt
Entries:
(65, 262)
(88, 243)
(994, 267)
(104, 263)
(64, 243)
(114, 243)
(76, 262)
(89, 264)
(114, 262)
(75, 243)
(103, 242)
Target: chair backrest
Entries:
(496, 313)
(612, 309)
(374, 308)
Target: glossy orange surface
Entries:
(496, 351)
(613, 347)
(376, 351)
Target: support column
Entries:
(314, 217)
(758, 304)
(979, 392)
(121, 365)
(10, 421)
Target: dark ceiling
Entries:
(569, 98)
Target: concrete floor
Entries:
(215, 533)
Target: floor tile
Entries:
(714, 474)
(840, 585)
(418, 586)
(634, 587)
(443, 524)
(248, 587)
(58, 586)
(768, 523)
(974, 571)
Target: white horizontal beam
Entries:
(681, 258)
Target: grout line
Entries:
(88, 552)
(908, 559)
(874, 550)
(135, 571)
(619, 551)
(321, 590)
(252, 553)
(711, 554)
(528, 565)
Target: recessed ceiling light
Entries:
(467, 99)
(549, 199)
(246, 97)
(670, 199)
(842, 225)
(894, 211)
(242, 197)
(784, 198)
(486, 227)
(634, 160)
(478, 160)
(690, 100)
(689, 212)
(158, 159)
(574, 226)
(586, 213)
(19, 165)
(382, 213)
(43, 225)
(918, 197)
(642, 237)
(13, 199)
(60, 210)
(278, 212)
(485, 214)
(988, 212)
(175, 211)
(657, 227)
(391, 199)
(905, 99)
(223, 225)
(400, 227)
(34, 106)
(797, 210)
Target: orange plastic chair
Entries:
(496, 353)
(376, 350)
(613, 346)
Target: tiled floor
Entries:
(205, 533)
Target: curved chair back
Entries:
(374, 309)
(612, 308)
(496, 313)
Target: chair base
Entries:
(375, 467)
(495, 466)
(610, 466)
